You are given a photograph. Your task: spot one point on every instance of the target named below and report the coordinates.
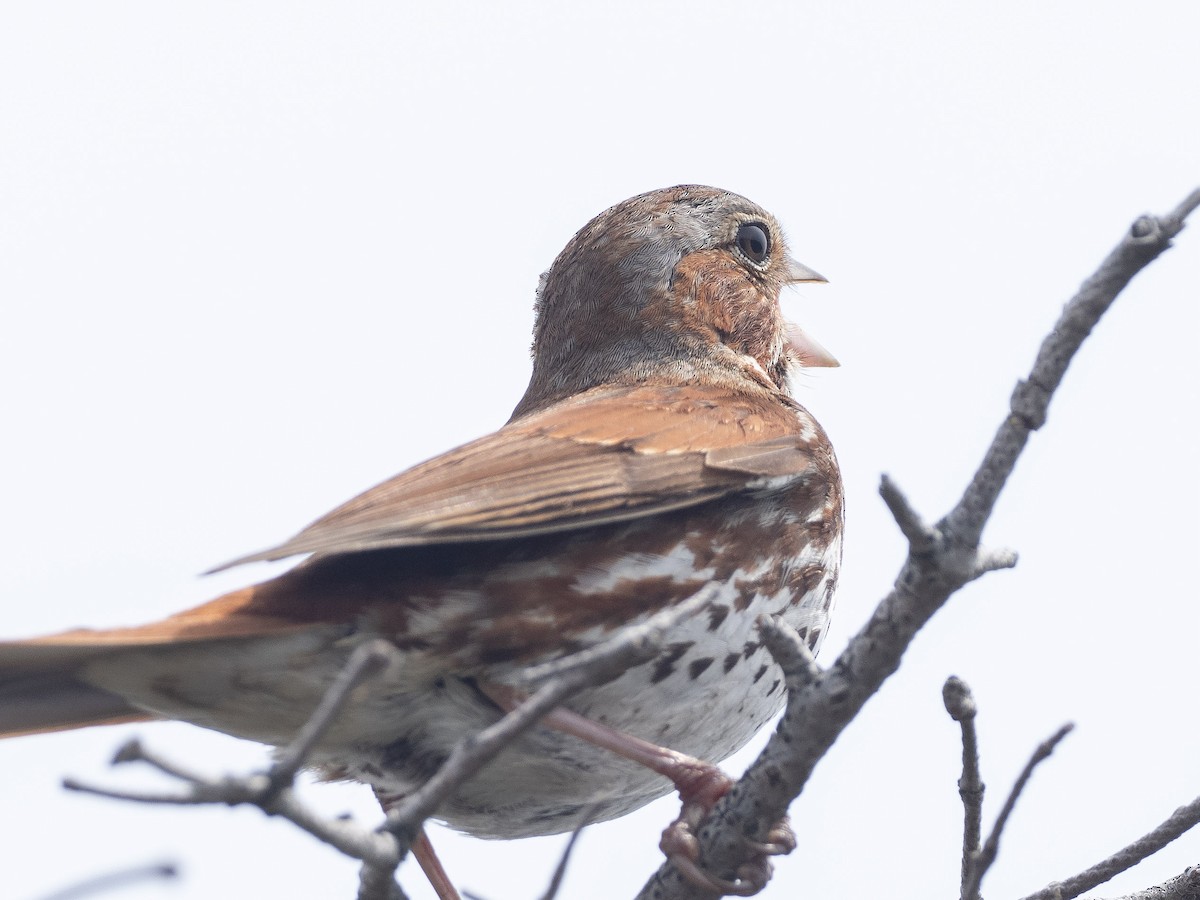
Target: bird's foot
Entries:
(679, 843)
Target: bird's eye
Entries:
(752, 240)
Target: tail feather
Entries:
(37, 706)
(41, 683)
(39, 692)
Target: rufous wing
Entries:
(608, 455)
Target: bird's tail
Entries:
(40, 690)
(43, 681)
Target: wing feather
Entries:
(608, 455)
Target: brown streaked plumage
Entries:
(657, 450)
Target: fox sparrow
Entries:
(657, 450)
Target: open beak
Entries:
(807, 351)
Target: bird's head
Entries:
(677, 286)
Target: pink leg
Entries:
(700, 785)
(422, 851)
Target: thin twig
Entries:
(960, 704)
(366, 661)
(114, 881)
(254, 790)
(560, 870)
(991, 847)
(920, 536)
(272, 791)
(790, 651)
(1175, 220)
(1184, 886)
(189, 798)
(1180, 821)
(605, 659)
(993, 559)
(133, 750)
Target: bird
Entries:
(658, 451)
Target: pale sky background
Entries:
(257, 257)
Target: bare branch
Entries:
(1184, 886)
(114, 881)
(940, 561)
(790, 651)
(1145, 240)
(1180, 821)
(961, 706)
(1174, 221)
(366, 661)
(921, 537)
(272, 791)
(189, 798)
(377, 883)
(560, 870)
(993, 560)
(633, 645)
(987, 855)
(254, 790)
(133, 750)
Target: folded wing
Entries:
(575, 465)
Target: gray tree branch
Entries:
(941, 559)
(991, 847)
(1184, 886)
(961, 705)
(1175, 824)
(115, 881)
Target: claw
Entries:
(681, 847)
(742, 887)
(781, 840)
